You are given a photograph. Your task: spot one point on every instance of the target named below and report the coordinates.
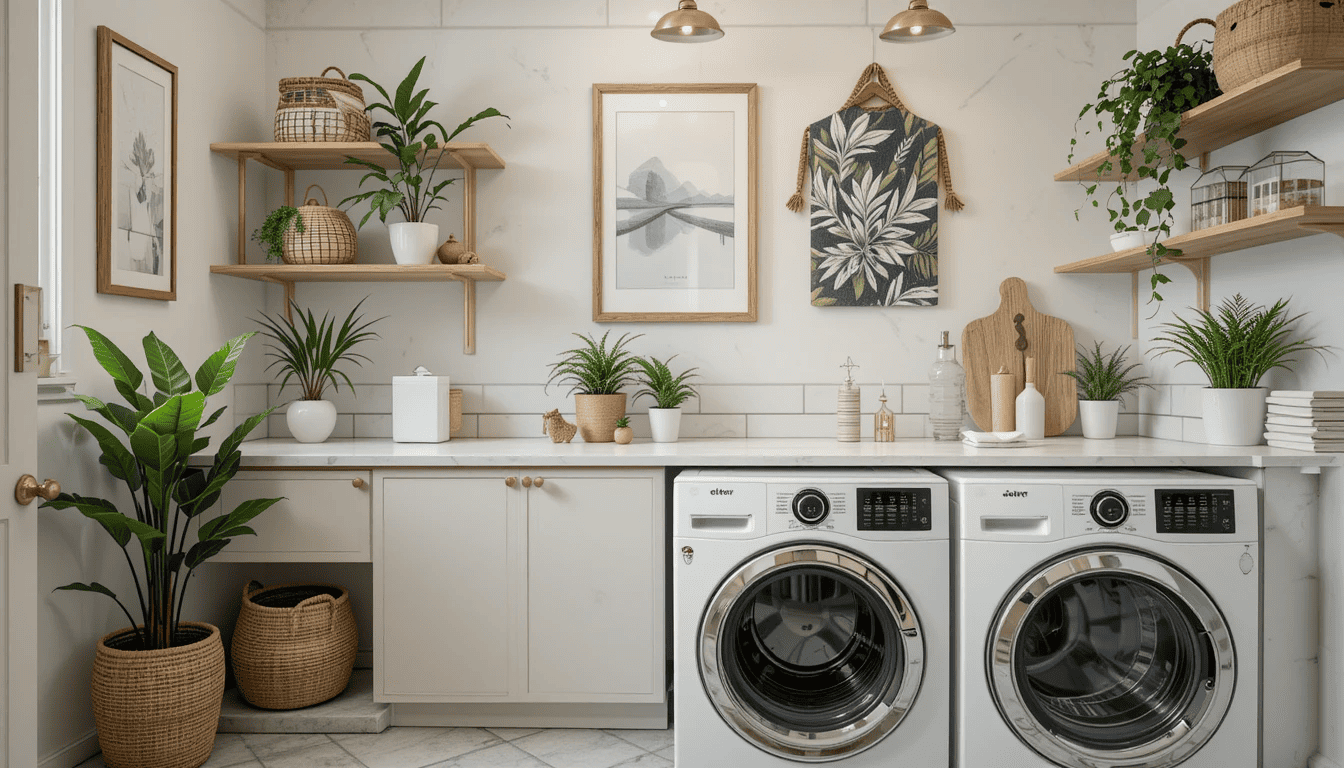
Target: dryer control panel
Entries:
(1196, 511)
(895, 509)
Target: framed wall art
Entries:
(674, 203)
(137, 170)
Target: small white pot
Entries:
(311, 421)
(1234, 416)
(1099, 418)
(665, 423)
(1123, 241)
(414, 242)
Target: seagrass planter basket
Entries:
(328, 235)
(321, 109)
(294, 645)
(597, 415)
(1256, 37)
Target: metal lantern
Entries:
(884, 423)
(1218, 197)
(1285, 180)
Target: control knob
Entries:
(811, 507)
(1110, 509)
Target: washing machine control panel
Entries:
(895, 509)
(1196, 511)
(1109, 509)
(810, 506)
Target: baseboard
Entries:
(72, 754)
(639, 716)
(1321, 761)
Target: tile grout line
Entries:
(341, 746)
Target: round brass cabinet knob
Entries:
(358, 482)
(540, 481)
(28, 489)
(511, 481)
(527, 482)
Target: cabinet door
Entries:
(442, 585)
(323, 517)
(595, 587)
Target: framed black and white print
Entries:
(674, 203)
(137, 170)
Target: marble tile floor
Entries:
(401, 747)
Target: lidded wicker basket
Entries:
(328, 235)
(294, 645)
(321, 109)
(1256, 37)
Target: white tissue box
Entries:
(420, 412)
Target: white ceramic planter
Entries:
(665, 424)
(311, 421)
(1234, 416)
(1123, 241)
(1099, 418)
(413, 242)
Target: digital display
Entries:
(1183, 511)
(895, 509)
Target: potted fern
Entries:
(668, 391)
(596, 373)
(1102, 379)
(1235, 346)
(308, 352)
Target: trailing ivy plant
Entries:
(1144, 102)
(1238, 343)
(1105, 377)
(271, 233)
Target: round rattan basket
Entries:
(321, 109)
(328, 235)
(158, 709)
(597, 415)
(294, 645)
(1256, 37)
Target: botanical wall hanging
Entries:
(875, 176)
(137, 170)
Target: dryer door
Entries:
(811, 653)
(1111, 658)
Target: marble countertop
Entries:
(1053, 452)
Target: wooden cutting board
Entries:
(994, 341)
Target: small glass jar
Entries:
(1218, 197)
(1285, 180)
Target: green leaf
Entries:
(218, 369)
(203, 551)
(137, 400)
(112, 359)
(165, 368)
(213, 417)
(115, 455)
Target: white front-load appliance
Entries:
(1106, 619)
(811, 618)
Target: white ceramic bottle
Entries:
(947, 393)
(1031, 406)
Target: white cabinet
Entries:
(531, 586)
(323, 517)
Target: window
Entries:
(50, 169)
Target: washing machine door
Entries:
(1111, 657)
(811, 652)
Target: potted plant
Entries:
(309, 352)
(1143, 103)
(596, 373)
(158, 684)
(418, 145)
(271, 233)
(1102, 379)
(1235, 347)
(624, 434)
(668, 391)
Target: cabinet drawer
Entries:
(324, 517)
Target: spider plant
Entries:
(310, 350)
(594, 368)
(1105, 377)
(1238, 344)
(668, 390)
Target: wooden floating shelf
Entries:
(330, 155)
(1288, 92)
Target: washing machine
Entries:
(811, 619)
(1106, 619)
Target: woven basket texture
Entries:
(328, 235)
(321, 109)
(158, 709)
(294, 645)
(597, 415)
(454, 411)
(1256, 37)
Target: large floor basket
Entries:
(294, 645)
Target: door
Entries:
(19, 197)
(811, 652)
(1111, 658)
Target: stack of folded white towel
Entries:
(1306, 421)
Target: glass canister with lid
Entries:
(1285, 180)
(1218, 197)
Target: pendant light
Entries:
(916, 24)
(687, 24)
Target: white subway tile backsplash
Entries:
(1155, 400)
(350, 14)
(1128, 424)
(364, 398)
(907, 425)
(1186, 401)
(373, 425)
(705, 425)
(522, 398)
(914, 399)
(345, 426)
(514, 425)
(1161, 427)
(822, 398)
(249, 399)
(1193, 430)
(790, 425)
(751, 399)
(521, 14)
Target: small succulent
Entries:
(622, 423)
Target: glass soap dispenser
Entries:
(947, 393)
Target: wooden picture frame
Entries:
(672, 166)
(137, 170)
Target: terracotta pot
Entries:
(158, 709)
(1100, 418)
(597, 416)
(1234, 416)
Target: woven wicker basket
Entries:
(328, 235)
(294, 645)
(1256, 37)
(597, 415)
(321, 109)
(158, 709)
(454, 411)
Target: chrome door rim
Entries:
(812, 746)
(1170, 749)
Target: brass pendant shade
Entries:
(916, 24)
(687, 24)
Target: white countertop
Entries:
(1055, 452)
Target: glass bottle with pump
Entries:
(947, 393)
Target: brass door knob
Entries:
(527, 482)
(358, 482)
(540, 481)
(511, 481)
(29, 489)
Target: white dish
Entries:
(1016, 444)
